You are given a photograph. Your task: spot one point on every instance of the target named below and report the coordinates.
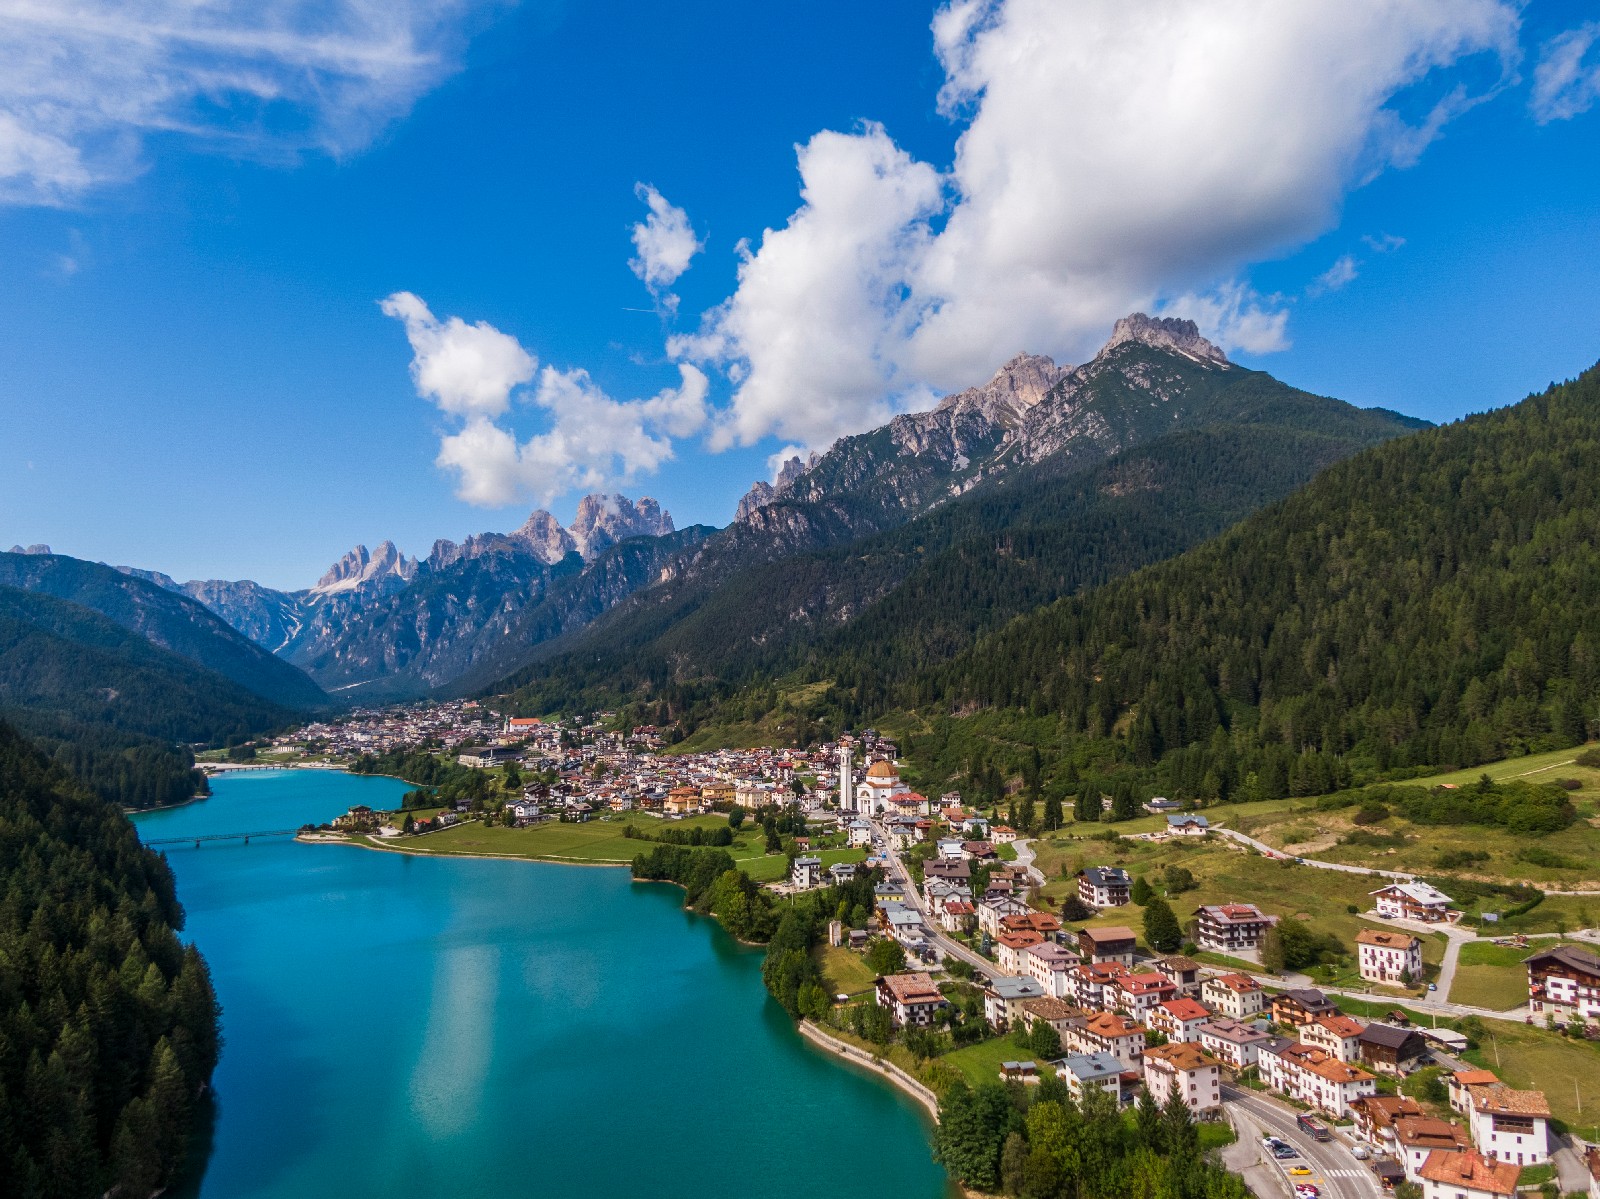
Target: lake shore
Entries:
(856, 1056)
(416, 852)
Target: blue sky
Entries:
(196, 375)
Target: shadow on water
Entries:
(202, 1143)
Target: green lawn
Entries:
(1493, 976)
(601, 842)
(1534, 1058)
(981, 1062)
(845, 969)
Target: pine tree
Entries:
(1273, 958)
(1052, 812)
(1147, 1121)
(1140, 892)
(1161, 929)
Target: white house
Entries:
(1186, 1071)
(1389, 956)
(1232, 1042)
(912, 999)
(1314, 1076)
(1513, 1126)
(1234, 995)
(806, 873)
(1104, 886)
(1412, 901)
(1051, 965)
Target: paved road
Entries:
(1263, 848)
(1333, 1168)
(946, 946)
(1025, 856)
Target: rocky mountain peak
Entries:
(604, 520)
(30, 549)
(543, 534)
(361, 568)
(1164, 333)
(1016, 387)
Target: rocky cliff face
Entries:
(950, 442)
(604, 520)
(601, 522)
(387, 569)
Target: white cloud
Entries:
(665, 241)
(468, 370)
(1342, 273)
(83, 81)
(1106, 164)
(1566, 81)
(812, 335)
(1235, 317)
(472, 373)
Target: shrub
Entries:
(1590, 758)
(1371, 812)
(1570, 784)
(1451, 859)
(1537, 855)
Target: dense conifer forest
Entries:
(116, 710)
(108, 1023)
(897, 602)
(1431, 602)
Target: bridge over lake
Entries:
(245, 837)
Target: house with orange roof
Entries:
(1458, 1087)
(1508, 1124)
(1237, 996)
(1113, 1033)
(1137, 995)
(1468, 1175)
(1314, 1076)
(1179, 1019)
(1010, 947)
(1388, 956)
(1188, 1072)
(1419, 1137)
(1338, 1035)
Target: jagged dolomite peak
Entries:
(604, 520)
(544, 536)
(1016, 387)
(360, 568)
(1167, 333)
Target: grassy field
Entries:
(1493, 976)
(845, 969)
(1534, 1058)
(981, 1062)
(1297, 827)
(601, 843)
(1225, 873)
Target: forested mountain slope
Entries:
(872, 612)
(173, 622)
(1435, 600)
(108, 1025)
(113, 708)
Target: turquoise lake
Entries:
(400, 1026)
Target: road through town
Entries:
(1334, 1169)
